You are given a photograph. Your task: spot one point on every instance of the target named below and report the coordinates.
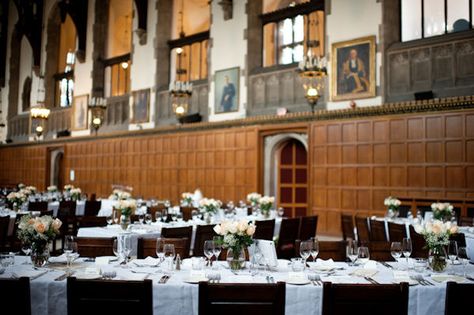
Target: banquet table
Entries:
(176, 296)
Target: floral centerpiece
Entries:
(16, 199)
(436, 235)
(253, 198)
(31, 189)
(442, 211)
(67, 188)
(265, 203)
(52, 189)
(187, 200)
(38, 232)
(237, 235)
(118, 194)
(75, 193)
(21, 186)
(209, 206)
(127, 207)
(392, 205)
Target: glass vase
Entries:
(39, 255)
(236, 258)
(437, 259)
(125, 222)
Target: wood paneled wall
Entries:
(357, 163)
(354, 164)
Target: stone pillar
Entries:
(52, 51)
(99, 44)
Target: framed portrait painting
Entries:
(141, 106)
(80, 112)
(353, 69)
(226, 87)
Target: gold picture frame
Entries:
(353, 69)
(140, 106)
(227, 89)
(80, 112)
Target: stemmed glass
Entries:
(453, 251)
(26, 249)
(194, 214)
(406, 249)
(126, 247)
(148, 219)
(141, 218)
(396, 250)
(463, 258)
(116, 217)
(281, 212)
(70, 246)
(179, 217)
(160, 249)
(305, 250)
(363, 254)
(158, 216)
(352, 251)
(314, 249)
(169, 254)
(110, 219)
(209, 250)
(115, 248)
(217, 248)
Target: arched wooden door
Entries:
(293, 178)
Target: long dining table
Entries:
(178, 296)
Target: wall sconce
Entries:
(97, 106)
(39, 114)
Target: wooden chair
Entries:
(38, 206)
(403, 211)
(396, 232)
(4, 225)
(460, 238)
(92, 207)
(466, 221)
(48, 212)
(308, 226)
(240, 299)
(288, 234)
(367, 299)
(458, 298)
(332, 249)
(418, 244)
(95, 246)
(380, 250)
(363, 233)
(377, 231)
(187, 213)
(15, 296)
(147, 247)
(109, 297)
(203, 233)
(347, 223)
(179, 232)
(91, 221)
(264, 230)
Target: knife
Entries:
(386, 264)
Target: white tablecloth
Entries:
(177, 297)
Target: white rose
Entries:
(218, 229)
(233, 227)
(251, 230)
(242, 226)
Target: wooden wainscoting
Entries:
(24, 164)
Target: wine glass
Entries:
(305, 250)
(194, 214)
(463, 258)
(396, 250)
(406, 248)
(69, 247)
(26, 249)
(209, 251)
(363, 254)
(217, 248)
(352, 251)
(169, 254)
(314, 249)
(453, 251)
(110, 219)
(179, 217)
(141, 218)
(174, 216)
(116, 217)
(281, 212)
(148, 218)
(115, 248)
(160, 249)
(126, 242)
(158, 216)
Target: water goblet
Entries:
(160, 253)
(281, 212)
(363, 254)
(169, 254)
(452, 251)
(352, 251)
(110, 219)
(406, 249)
(141, 218)
(396, 250)
(148, 219)
(194, 214)
(158, 216)
(115, 216)
(463, 258)
(217, 248)
(209, 251)
(305, 250)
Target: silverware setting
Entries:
(164, 279)
(214, 278)
(270, 279)
(371, 280)
(315, 280)
(386, 264)
(421, 280)
(64, 276)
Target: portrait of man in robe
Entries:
(226, 90)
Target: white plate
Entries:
(195, 280)
(410, 281)
(87, 276)
(298, 281)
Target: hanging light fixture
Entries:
(97, 106)
(39, 114)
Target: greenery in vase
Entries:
(187, 200)
(67, 188)
(442, 211)
(253, 198)
(118, 194)
(210, 205)
(17, 198)
(236, 234)
(38, 232)
(52, 189)
(75, 193)
(392, 203)
(265, 203)
(127, 207)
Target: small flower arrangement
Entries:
(210, 205)
(52, 189)
(253, 198)
(126, 206)
(442, 211)
(436, 235)
(16, 199)
(31, 189)
(265, 203)
(392, 203)
(118, 194)
(75, 193)
(21, 186)
(67, 188)
(187, 200)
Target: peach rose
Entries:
(39, 227)
(251, 230)
(56, 224)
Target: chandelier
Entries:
(39, 114)
(180, 92)
(312, 71)
(97, 106)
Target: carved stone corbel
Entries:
(227, 7)
(141, 33)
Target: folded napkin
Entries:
(134, 276)
(445, 278)
(147, 262)
(323, 265)
(400, 276)
(62, 259)
(342, 279)
(296, 277)
(364, 272)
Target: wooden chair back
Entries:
(347, 223)
(48, 212)
(95, 246)
(91, 221)
(109, 297)
(203, 233)
(458, 298)
(377, 231)
(460, 238)
(15, 295)
(245, 298)
(403, 211)
(396, 232)
(466, 221)
(38, 206)
(308, 226)
(380, 250)
(384, 299)
(332, 249)
(147, 247)
(264, 230)
(363, 233)
(418, 244)
(92, 207)
(179, 232)
(4, 226)
(187, 213)
(288, 234)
